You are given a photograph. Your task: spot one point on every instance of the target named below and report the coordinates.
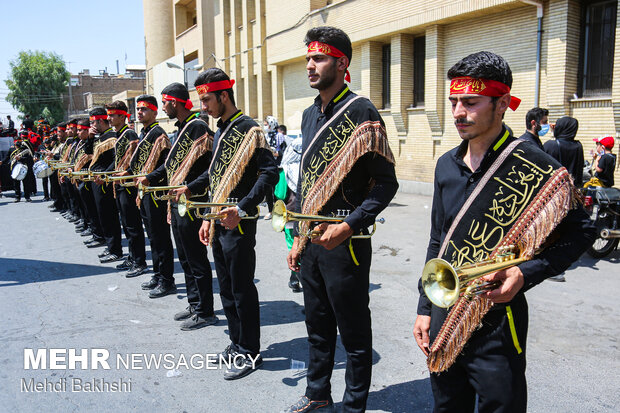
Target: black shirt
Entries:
(196, 182)
(106, 158)
(530, 137)
(570, 154)
(151, 133)
(352, 194)
(607, 163)
(454, 182)
(261, 172)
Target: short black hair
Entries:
(118, 105)
(483, 65)
(331, 36)
(282, 128)
(215, 74)
(74, 121)
(8, 116)
(83, 122)
(98, 111)
(147, 98)
(177, 90)
(535, 114)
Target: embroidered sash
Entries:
(332, 153)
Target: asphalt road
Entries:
(55, 295)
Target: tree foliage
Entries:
(37, 82)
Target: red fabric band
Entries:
(83, 127)
(215, 86)
(188, 102)
(330, 51)
(145, 104)
(96, 117)
(484, 87)
(118, 112)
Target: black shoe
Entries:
(105, 252)
(47, 198)
(86, 233)
(54, 209)
(51, 206)
(136, 269)
(196, 322)
(79, 222)
(28, 200)
(150, 284)
(17, 199)
(73, 219)
(80, 228)
(96, 243)
(185, 314)
(239, 369)
(88, 241)
(304, 405)
(163, 289)
(229, 351)
(125, 265)
(110, 258)
(295, 286)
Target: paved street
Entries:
(55, 294)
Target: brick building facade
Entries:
(402, 50)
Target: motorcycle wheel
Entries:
(602, 247)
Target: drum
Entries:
(41, 169)
(19, 171)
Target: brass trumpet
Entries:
(144, 190)
(184, 205)
(281, 216)
(61, 165)
(75, 174)
(444, 284)
(120, 179)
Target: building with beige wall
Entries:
(401, 53)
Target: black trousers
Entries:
(491, 366)
(74, 200)
(336, 298)
(131, 222)
(57, 193)
(108, 217)
(84, 192)
(158, 230)
(195, 262)
(235, 262)
(27, 188)
(46, 190)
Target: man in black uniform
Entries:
(536, 125)
(126, 142)
(243, 168)
(75, 210)
(59, 202)
(149, 155)
(335, 267)
(189, 157)
(22, 152)
(81, 158)
(492, 364)
(103, 157)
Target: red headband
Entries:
(330, 51)
(215, 86)
(188, 102)
(484, 87)
(96, 117)
(71, 125)
(61, 128)
(145, 104)
(83, 127)
(118, 112)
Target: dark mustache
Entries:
(463, 122)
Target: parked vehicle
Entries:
(603, 204)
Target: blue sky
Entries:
(87, 34)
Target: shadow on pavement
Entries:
(280, 312)
(410, 397)
(17, 271)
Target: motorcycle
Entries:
(603, 204)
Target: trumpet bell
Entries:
(182, 205)
(279, 216)
(441, 283)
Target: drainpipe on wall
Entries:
(539, 15)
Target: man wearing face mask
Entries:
(536, 125)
